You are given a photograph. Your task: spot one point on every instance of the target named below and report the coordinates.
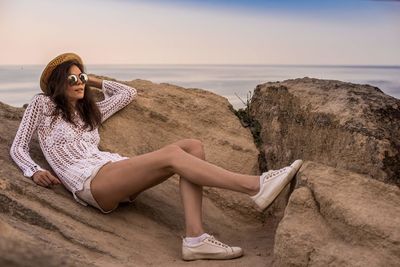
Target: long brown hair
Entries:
(86, 107)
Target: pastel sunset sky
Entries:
(344, 32)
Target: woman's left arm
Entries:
(117, 96)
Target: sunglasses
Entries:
(73, 79)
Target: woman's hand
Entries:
(45, 178)
(94, 81)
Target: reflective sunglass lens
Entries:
(72, 79)
(84, 78)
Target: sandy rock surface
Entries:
(343, 125)
(339, 218)
(46, 227)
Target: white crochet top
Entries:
(71, 151)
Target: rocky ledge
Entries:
(344, 125)
(347, 214)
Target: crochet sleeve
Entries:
(117, 96)
(20, 147)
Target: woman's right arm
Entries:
(20, 147)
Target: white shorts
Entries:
(86, 194)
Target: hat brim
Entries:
(44, 78)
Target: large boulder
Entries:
(46, 227)
(339, 218)
(343, 125)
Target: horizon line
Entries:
(223, 64)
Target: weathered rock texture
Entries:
(344, 125)
(46, 227)
(339, 218)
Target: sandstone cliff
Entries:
(335, 217)
(344, 125)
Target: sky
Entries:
(338, 32)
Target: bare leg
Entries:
(192, 194)
(118, 180)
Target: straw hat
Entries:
(53, 64)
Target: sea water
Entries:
(19, 83)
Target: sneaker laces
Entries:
(212, 239)
(274, 173)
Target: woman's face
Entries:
(76, 91)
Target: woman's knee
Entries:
(176, 151)
(172, 148)
(197, 148)
(171, 153)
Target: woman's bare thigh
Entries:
(118, 180)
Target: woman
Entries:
(66, 118)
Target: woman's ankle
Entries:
(252, 186)
(194, 232)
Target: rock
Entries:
(339, 218)
(41, 226)
(344, 125)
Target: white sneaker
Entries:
(273, 182)
(209, 249)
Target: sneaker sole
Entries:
(209, 256)
(263, 203)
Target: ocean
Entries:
(19, 83)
